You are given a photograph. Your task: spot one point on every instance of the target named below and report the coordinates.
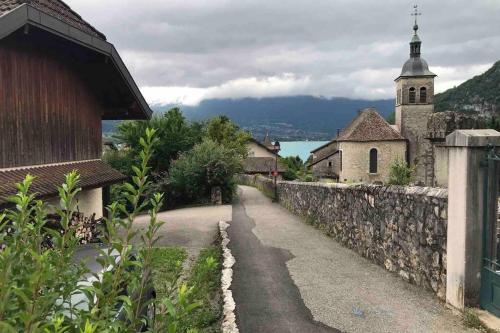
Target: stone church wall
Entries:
(400, 228)
(356, 160)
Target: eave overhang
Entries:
(26, 15)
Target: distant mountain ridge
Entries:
(286, 118)
(480, 94)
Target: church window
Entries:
(412, 95)
(330, 164)
(373, 160)
(423, 95)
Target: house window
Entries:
(330, 164)
(423, 95)
(340, 160)
(412, 95)
(373, 160)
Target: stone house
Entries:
(325, 161)
(261, 158)
(60, 78)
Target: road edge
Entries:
(229, 316)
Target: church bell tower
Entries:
(414, 105)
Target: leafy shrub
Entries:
(401, 173)
(37, 282)
(206, 166)
(308, 178)
(294, 167)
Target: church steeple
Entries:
(415, 41)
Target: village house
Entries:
(261, 158)
(59, 78)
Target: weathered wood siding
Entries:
(48, 114)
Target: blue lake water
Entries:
(300, 148)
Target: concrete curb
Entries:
(229, 317)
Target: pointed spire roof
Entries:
(369, 126)
(415, 66)
(267, 141)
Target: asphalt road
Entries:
(267, 299)
(290, 277)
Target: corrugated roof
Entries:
(261, 165)
(56, 8)
(93, 174)
(369, 126)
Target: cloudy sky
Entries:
(183, 51)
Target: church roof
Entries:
(56, 8)
(369, 126)
(416, 66)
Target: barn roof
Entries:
(369, 126)
(260, 144)
(93, 174)
(55, 8)
(55, 19)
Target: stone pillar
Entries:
(466, 149)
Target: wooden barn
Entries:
(59, 78)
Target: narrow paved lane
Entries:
(289, 277)
(266, 296)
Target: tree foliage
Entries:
(174, 136)
(295, 167)
(223, 131)
(175, 140)
(401, 173)
(206, 166)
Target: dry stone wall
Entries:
(400, 228)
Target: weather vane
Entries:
(416, 13)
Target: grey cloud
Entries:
(208, 43)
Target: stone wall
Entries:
(400, 228)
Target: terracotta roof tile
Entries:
(93, 174)
(369, 126)
(56, 8)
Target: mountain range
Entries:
(318, 118)
(480, 94)
(285, 118)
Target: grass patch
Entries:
(205, 277)
(203, 281)
(471, 320)
(167, 268)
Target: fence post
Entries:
(466, 181)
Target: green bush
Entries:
(294, 167)
(206, 166)
(37, 282)
(401, 173)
